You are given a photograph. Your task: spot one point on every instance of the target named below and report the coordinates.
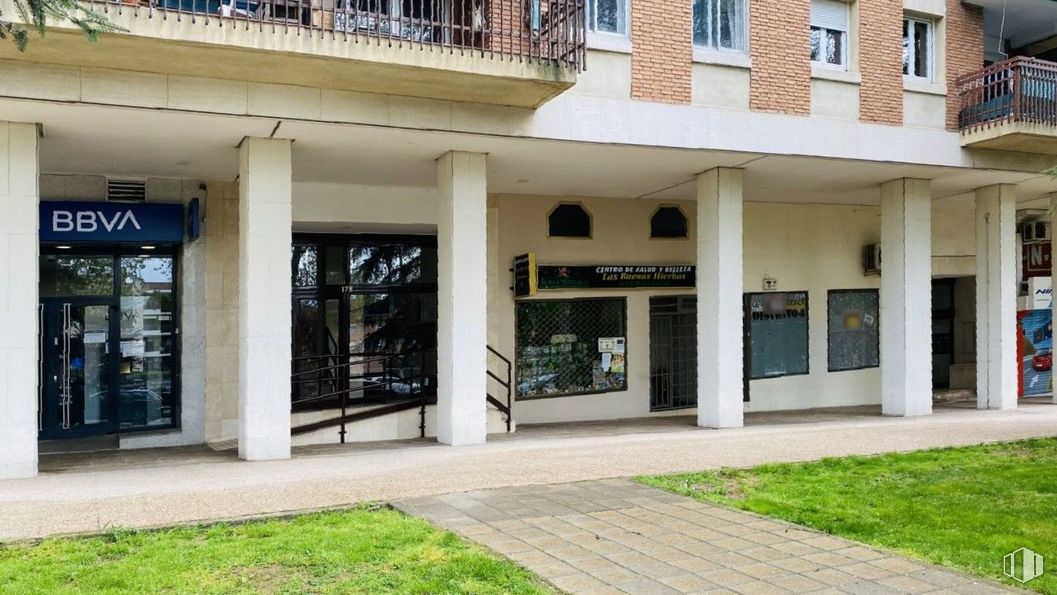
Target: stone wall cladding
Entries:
(781, 58)
(661, 63)
(965, 50)
(881, 61)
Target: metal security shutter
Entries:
(829, 14)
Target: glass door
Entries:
(78, 367)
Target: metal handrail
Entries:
(332, 373)
(506, 384)
(1020, 89)
(512, 30)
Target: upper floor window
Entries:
(668, 222)
(720, 24)
(607, 16)
(917, 48)
(569, 220)
(829, 33)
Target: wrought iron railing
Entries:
(522, 30)
(505, 382)
(1018, 90)
(390, 382)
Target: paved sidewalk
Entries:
(615, 536)
(157, 488)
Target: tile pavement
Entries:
(616, 536)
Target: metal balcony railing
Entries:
(522, 30)
(1017, 90)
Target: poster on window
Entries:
(853, 341)
(777, 341)
(1035, 351)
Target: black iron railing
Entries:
(524, 30)
(505, 382)
(1017, 90)
(391, 382)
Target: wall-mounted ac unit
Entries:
(872, 259)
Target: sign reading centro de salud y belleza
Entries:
(606, 276)
(75, 221)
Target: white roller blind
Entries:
(829, 14)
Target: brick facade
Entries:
(661, 63)
(965, 50)
(781, 56)
(881, 61)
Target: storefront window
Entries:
(853, 341)
(76, 275)
(568, 347)
(778, 332)
(146, 392)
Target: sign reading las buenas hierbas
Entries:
(600, 276)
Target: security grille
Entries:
(558, 348)
(673, 352)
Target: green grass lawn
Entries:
(354, 551)
(960, 507)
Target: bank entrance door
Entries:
(109, 342)
(78, 367)
(673, 352)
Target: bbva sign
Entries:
(71, 221)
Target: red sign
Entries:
(1036, 260)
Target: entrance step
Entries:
(89, 444)
(953, 395)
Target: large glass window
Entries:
(62, 275)
(778, 331)
(607, 16)
(917, 48)
(829, 33)
(720, 24)
(853, 337)
(146, 395)
(568, 347)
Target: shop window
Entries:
(917, 48)
(569, 220)
(305, 263)
(829, 33)
(853, 337)
(720, 24)
(777, 335)
(668, 222)
(148, 342)
(570, 347)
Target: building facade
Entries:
(260, 224)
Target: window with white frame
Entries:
(829, 33)
(607, 16)
(917, 48)
(720, 24)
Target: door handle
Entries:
(67, 370)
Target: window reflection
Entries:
(146, 369)
(76, 275)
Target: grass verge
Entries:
(354, 551)
(960, 507)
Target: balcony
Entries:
(1010, 106)
(505, 52)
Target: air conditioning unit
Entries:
(872, 259)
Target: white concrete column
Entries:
(720, 373)
(265, 187)
(996, 297)
(906, 298)
(462, 298)
(19, 316)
